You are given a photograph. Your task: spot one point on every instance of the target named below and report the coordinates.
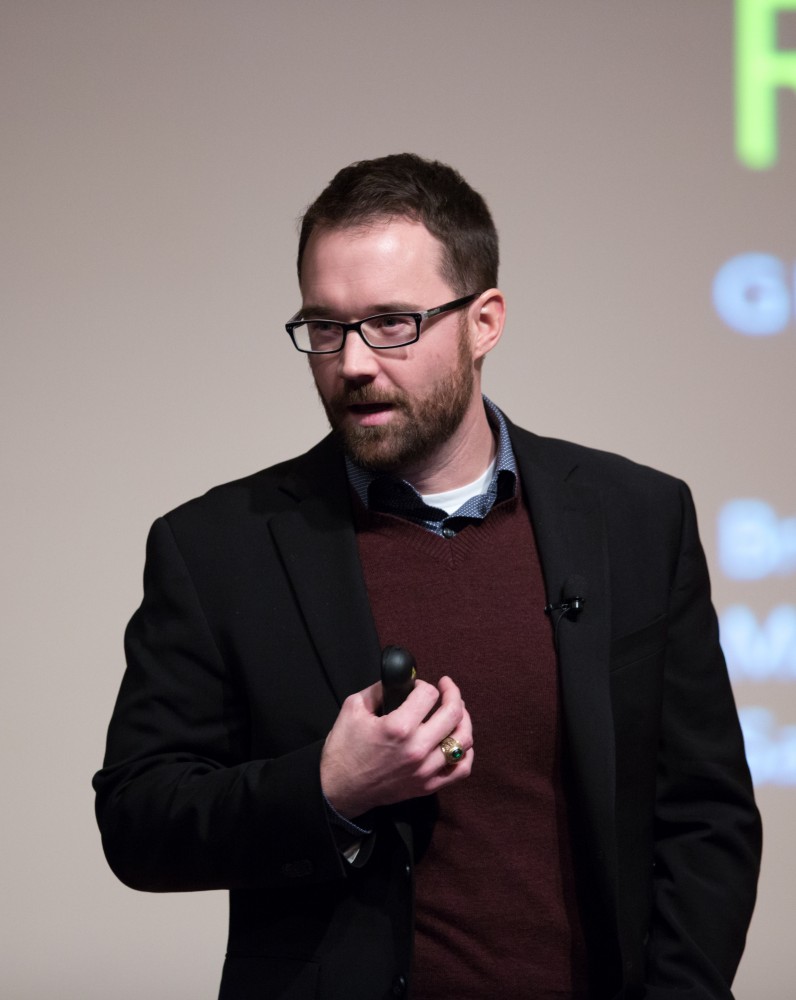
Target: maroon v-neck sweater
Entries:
(496, 912)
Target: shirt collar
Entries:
(378, 491)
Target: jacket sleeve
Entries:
(707, 834)
(179, 803)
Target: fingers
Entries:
(450, 718)
(371, 760)
(429, 712)
(450, 715)
(371, 697)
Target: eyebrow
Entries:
(313, 311)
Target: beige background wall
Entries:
(155, 155)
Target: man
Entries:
(561, 807)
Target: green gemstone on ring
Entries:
(457, 753)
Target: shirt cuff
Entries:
(344, 824)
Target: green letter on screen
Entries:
(760, 69)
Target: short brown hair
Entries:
(406, 186)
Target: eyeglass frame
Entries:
(418, 316)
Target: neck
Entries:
(463, 457)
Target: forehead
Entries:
(388, 259)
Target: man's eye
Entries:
(392, 323)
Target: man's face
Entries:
(394, 410)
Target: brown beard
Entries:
(419, 425)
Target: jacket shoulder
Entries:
(604, 470)
(280, 487)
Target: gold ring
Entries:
(452, 750)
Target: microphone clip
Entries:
(570, 607)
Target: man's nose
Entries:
(357, 361)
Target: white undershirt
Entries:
(451, 500)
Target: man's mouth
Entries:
(362, 408)
(370, 414)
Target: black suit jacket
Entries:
(255, 626)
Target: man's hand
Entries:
(371, 760)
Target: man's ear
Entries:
(488, 314)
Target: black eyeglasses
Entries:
(381, 332)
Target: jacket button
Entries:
(399, 986)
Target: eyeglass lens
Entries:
(389, 330)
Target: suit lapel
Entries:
(570, 535)
(317, 544)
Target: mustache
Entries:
(366, 395)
